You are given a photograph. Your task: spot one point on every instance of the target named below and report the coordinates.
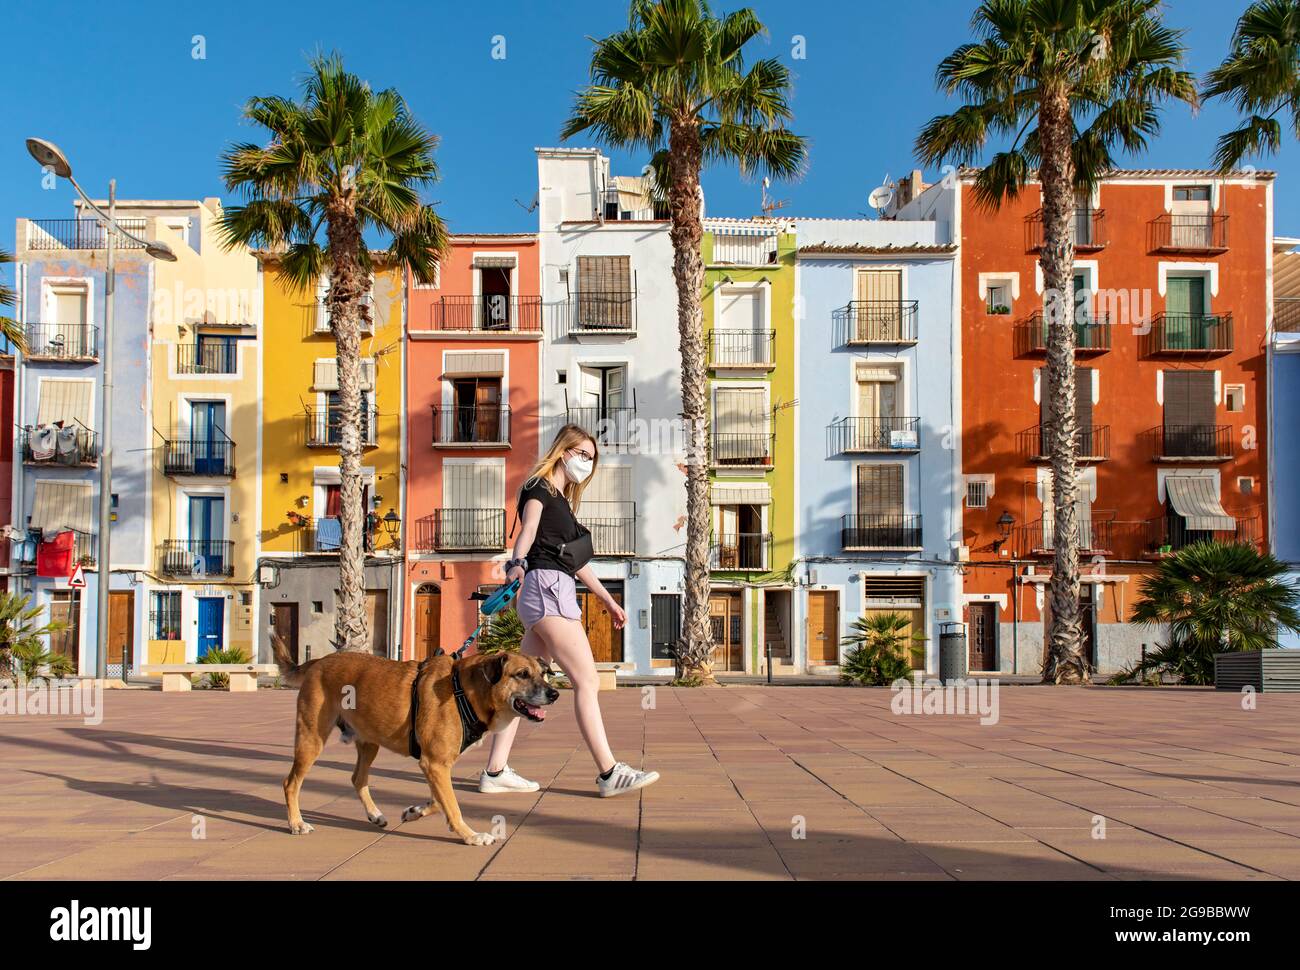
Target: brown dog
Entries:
(370, 698)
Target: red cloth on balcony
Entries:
(54, 557)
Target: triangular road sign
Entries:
(78, 578)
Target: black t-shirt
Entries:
(558, 524)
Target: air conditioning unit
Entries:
(961, 554)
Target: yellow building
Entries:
(204, 363)
(298, 566)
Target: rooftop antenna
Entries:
(770, 205)
(532, 206)
(881, 197)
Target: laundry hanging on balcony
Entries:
(66, 447)
(44, 441)
(329, 534)
(55, 556)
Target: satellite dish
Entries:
(881, 197)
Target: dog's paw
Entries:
(301, 828)
(413, 813)
(480, 838)
(378, 820)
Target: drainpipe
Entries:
(1015, 617)
(17, 519)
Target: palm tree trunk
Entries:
(346, 304)
(695, 649)
(1065, 662)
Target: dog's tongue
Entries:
(537, 712)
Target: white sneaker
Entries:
(507, 781)
(624, 779)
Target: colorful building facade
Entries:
(1284, 388)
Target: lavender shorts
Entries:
(547, 592)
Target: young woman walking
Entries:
(552, 549)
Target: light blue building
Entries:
(60, 277)
(1284, 387)
(878, 507)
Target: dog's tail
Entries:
(290, 671)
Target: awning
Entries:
(1196, 499)
(63, 505)
(494, 262)
(479, 364)
(740, 495)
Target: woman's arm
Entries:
(588, 578)
(532, 518)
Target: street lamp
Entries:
(392, 523)
(50, 157)
(1006, 521)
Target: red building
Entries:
(473, 349)
(1171, 276)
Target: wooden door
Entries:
(487, 408)
(284, 624)
(606, 642)
(377, 620)
(428, 621)
(983, 645)
(121, 628)
(823, 627)
(728, 631)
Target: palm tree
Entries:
(1261, 78)
(880, 649)
(675, 84)
(10, 330)
(1214, 597)
(343, 161)
(24, 640)
(1062, 84)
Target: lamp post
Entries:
(50, 157)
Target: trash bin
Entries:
(952, 652)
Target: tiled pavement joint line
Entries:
(487, 864)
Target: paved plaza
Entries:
(758, 783)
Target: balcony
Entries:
(84, 549)
(216, 357)
(613, 314)
(324, 428)
(609, 426)
(471, 426)
(866, 322)
(1091, 444)
(211, 457)
(1191, 443)
(1286, 314)
(742, 349)
(326, 534)
(71, 445)
(55, 234)
(866, 435)
(489, 312)
(612, 525)
(1165, 536)
(1096, 536)
(1091, 334)
(1189, 234)
(197, 558)
(1191, 334)
(1087, 230)
(461, 530)
(74, 343)
(742, 450)
(741, 552)
(880, 533)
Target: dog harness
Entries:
(471, 728)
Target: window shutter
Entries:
(65, 400)
(326, 376)
(63, 505)
(1083, 400)
(605, 292)
(368, 374)
(880, 489)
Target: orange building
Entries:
(473, 349)
(1171, 282)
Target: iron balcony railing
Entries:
(609, 426)
(461, 530)
(69, 443)
(1170, 534)
(1087, 230)
(185, 455)
(612, 525)
(1189, 233)
(85, 548)
(1192, 333)
(324, 428)
(198, 558)
(741, 551)
(1092, 333)
(875, 434)
(490, 311)
(1091, 444)
(326, 534)
(1095, 535)
(219, 357)
(1286, 314)
(1194, 442)
(880, 531)
(877, 322)
(49, 234)
(62, 341)
(612, 313)
(749, 449)
(474, 424)
(743, 348)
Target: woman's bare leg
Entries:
(532, 646)
(566, 643)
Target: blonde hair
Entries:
(566, 439)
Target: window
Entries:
(318, 606)
(741, 337)
(473, 505)
(65, 608)
(665, 624)
(604, 405)
(495, 306)
(1246, 485)
(998, 301)
(878, 305)
(1189, 429)
(475, 414)
(604, 299)
(1191, 193)
(609, 510)
(977, 494)
(878, 393)
(333, 418)
(165, 616)
(1235, 397)
(740, 541)
(740, 427)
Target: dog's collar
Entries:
(471, 728)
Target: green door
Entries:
(1185, 313)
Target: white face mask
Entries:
(577, 468)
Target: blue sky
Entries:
(123, 96)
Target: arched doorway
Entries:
(428, 620)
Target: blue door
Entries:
(208, 437)
(207, 548)
(211, 624)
